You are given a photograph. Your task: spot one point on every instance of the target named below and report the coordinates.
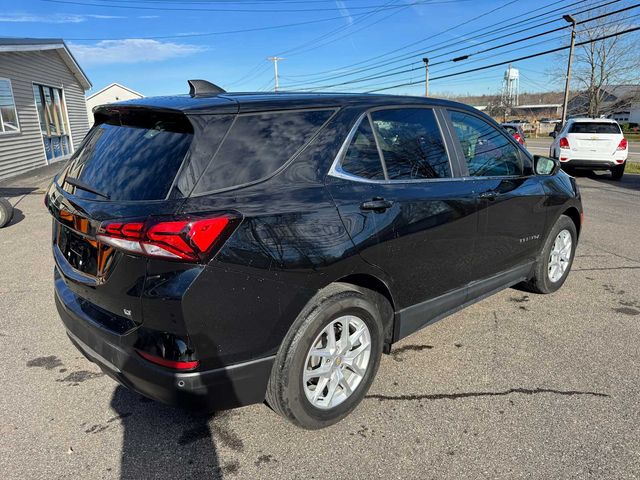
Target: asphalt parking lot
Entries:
(517, 386)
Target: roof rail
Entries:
(199, 88)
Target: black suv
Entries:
(215, 250)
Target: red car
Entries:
(515, 129)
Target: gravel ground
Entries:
(517, 386)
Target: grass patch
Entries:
(632, 167)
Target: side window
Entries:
(486, 150)
(411, 144)
(258, 145)
(8, 114)
(362, 158)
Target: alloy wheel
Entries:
(337, 362)
(560, 256)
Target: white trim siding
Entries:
(24, 150)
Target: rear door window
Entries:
(595, 128)
(131, 155)
(411, 144)
(258, 145)
(362, 158)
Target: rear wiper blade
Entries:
(83, 186)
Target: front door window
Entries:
(52, 113)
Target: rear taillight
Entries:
(564, 143)
(518, 138)
(623, 144)
(185, 238)
(175, 364)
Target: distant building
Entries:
(110, 94)
(619, 102)
(43, 114)
(536, 112)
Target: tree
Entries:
(601, 64)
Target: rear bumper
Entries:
(229, 387)
(590, 164)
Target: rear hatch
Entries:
(594, 140)
(125, 168)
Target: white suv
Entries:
(592, 144)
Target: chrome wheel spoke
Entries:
(320, 372)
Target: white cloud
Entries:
(344, 11)
(130, 50)
(53, 18)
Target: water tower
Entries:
(511, 86)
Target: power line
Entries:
(527, 57)
(432, 50)
(115, 4)
(408, 67)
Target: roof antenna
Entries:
(201, 88)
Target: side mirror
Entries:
(545, 165)
(552, 134)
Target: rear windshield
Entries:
(131, 155)
(258, 145)
(594, 127)
(510, 129)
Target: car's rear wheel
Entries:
(329, 357)
(553, 266)
(618, 171)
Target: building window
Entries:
(8, 113)
(52, 113)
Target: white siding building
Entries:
(43, 114)
(110, 94)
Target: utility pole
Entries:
(275, 61)
(572, 21)
(426, 76)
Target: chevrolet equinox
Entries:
(214, 250)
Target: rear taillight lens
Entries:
(518, 138)
(623, 144)
(175, 364)
(186, 238)
(564, 143)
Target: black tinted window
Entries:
(131, 155)
(487, 151)
(594, 127)
(510, 129)
(259, 144)
(362, 158)
(411, 144)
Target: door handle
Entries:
(377, 204)
(489, 195)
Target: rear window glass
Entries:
(131, 156)
(594, 127)
(510, 129)
(258, 145)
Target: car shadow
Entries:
(629, 181)
(160, 441)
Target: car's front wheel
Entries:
(329, 357)
(553, 266)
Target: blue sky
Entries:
(111, 43)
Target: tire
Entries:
(289, 395)
(543, 281)
(6, 212)
(618, 171)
